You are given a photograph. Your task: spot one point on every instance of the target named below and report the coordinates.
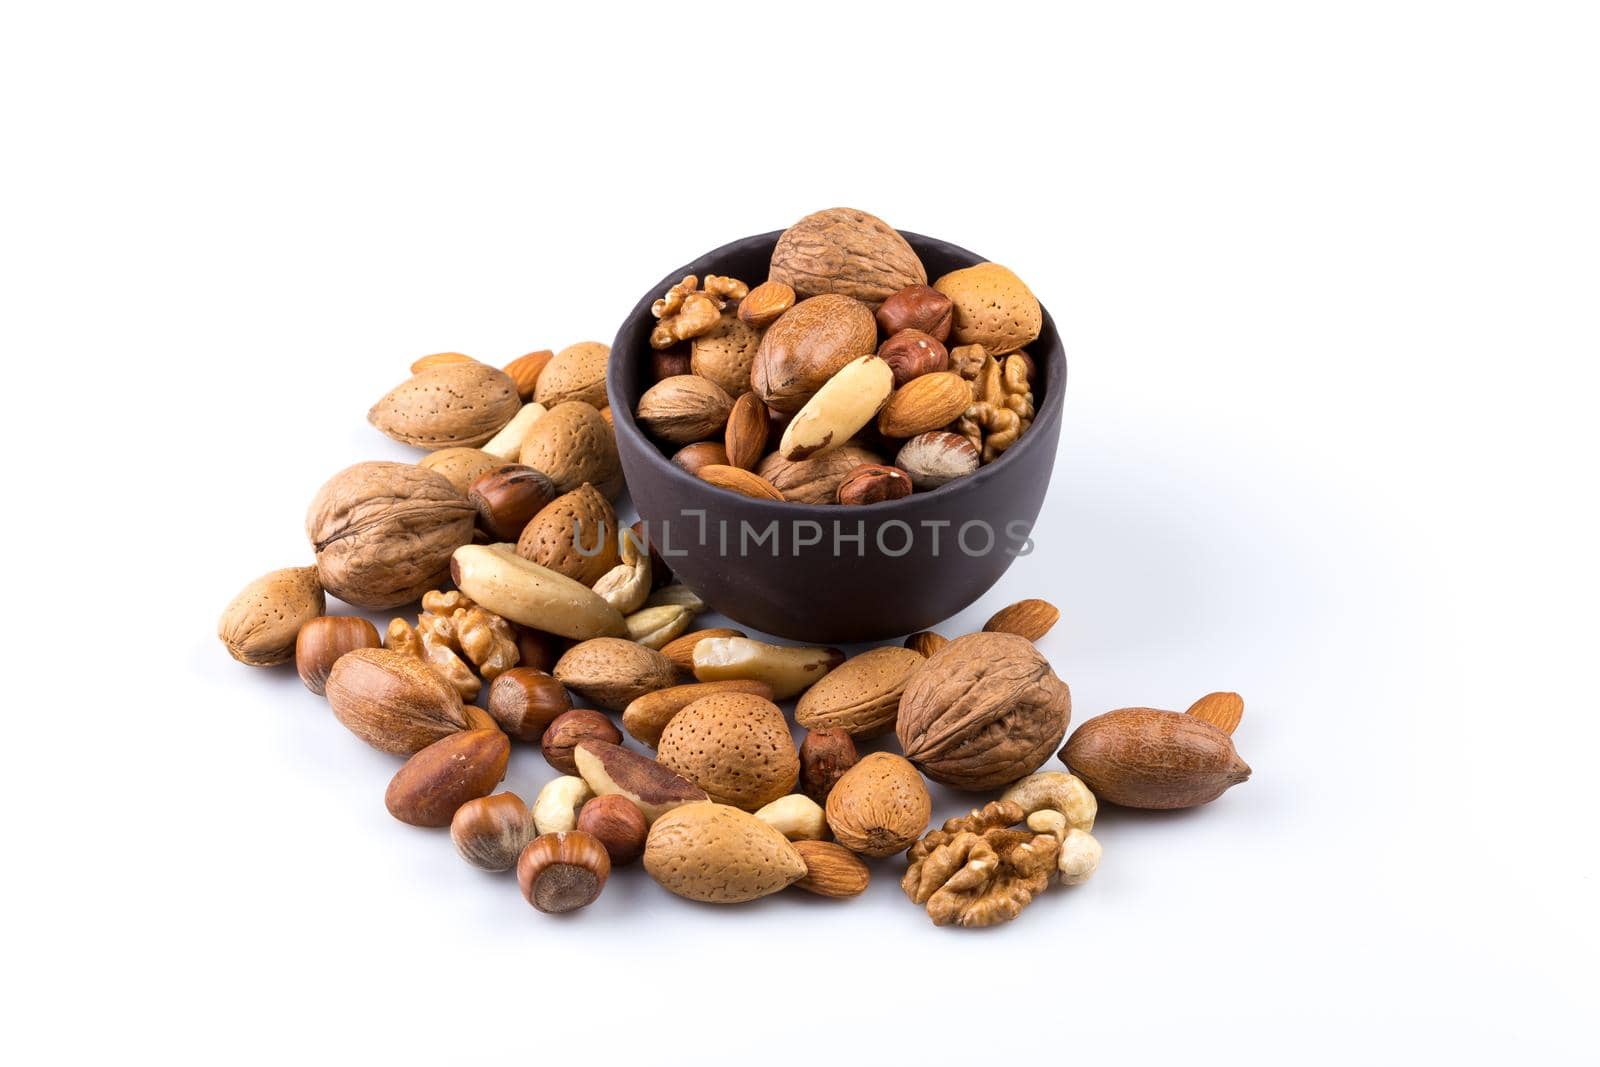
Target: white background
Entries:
(1327, 277)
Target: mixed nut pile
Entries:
(572, 633)
(798, 388)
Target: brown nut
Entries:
(618, 824)
(738, 480)
(1160, 760)
(525, 371)
(745, 438)
(831, 870)
(824, 757)
(683, 409)
(491, 832)
(525, 701)
(925, 642)
(879, 806)
(911, 354)
(539, 649)
(1031, 618)
(921, 307)
(693, 458)
(563, 871)
(445, 775)
(762, 305)
(670, 363)
(873, 483)
(613, 770)
(506, 498)
(392, 700)
(569, 729)
(924, 404)
(320, 643)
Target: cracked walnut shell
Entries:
(976, 872)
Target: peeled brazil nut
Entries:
(393, 701)
(502, 582)
(720, 855)
(837, 411)
(788, 670)
(1145, 758)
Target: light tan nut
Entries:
(576, 534)
(797, 817)
(925, 642)
(844, 404)
(937, 458)
(556, 808)
(460, 466)
(439, 359)
(873, 483)
(735, 746)
(1002, 407)
(832, 870)
(525, 371)
(745, 439)
(861, 696)
(260, 624)
(572, 443)
(763, 304)
(646, 716)
(787, 669)
(684, 409)
(1223, 710)
(815, 480)
(1055, 791)
(1026, 618)
(676, 595)
(725, 353)
(719, 854)
(612, 671)
(626, 585)
(992, 307)
(654, 627)
(684, 312)
(507, 444)
(500, 581)
(577, 372)
(738, 480)
(925, 404)
(1080, 857)
(447, 405)
(613, 770)
(435, 649)
(680, 650)
(879, 806)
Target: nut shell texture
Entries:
(393, 701)
(572, 444)
(880, 806)
(993, 308)
(720, 855)
(260, 625)
(1145, 758)
(448, 405)
(809, 345)
(862, 695)
(384, 532)
(842, 250)
(983, 711)
(577, 372)
(735, 746)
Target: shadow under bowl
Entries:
(834, 574)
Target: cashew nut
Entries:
(655, 627)
(507, 444)
(501, 581)
(797, 817)
(1057, 791)
(1080, 857)
(626, 585)
(788, 670)
(556, 808)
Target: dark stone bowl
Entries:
(917, 560)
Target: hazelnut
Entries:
(700, 454)
(618, 824)
(912, 353)
(824, 757)
(525, 701)
(563, 871)
(873, 483)
(934, 458)
(563, 735)
(671, 363)
(539, 649)
(506, 498)
(491, 832)
(320, 643)
(920, 307)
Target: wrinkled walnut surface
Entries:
(975, 871)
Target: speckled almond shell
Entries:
(719, 855)
(983, 711)
(880, 806)
(735, 746)
(260, 625)
(815, 480)
(726, 354)
(862, 695)
(572, 444)
(461, 466)
(552, 536)
(613, 671)
(384, 532)
(842, 250)
(392, 701)
(448, 405)
(993, 308)
(577, 372)
(808, 345)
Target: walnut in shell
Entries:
(384, 532)
(983, 711)
(842, 250)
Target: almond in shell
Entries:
(862, 695)
(577, 372)
(260, 625)
(719, 855)
(447, 405)
(645, 717)
(572, 444)
(575, 535)
(735, 746)
(613, 672)
(725, 355)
